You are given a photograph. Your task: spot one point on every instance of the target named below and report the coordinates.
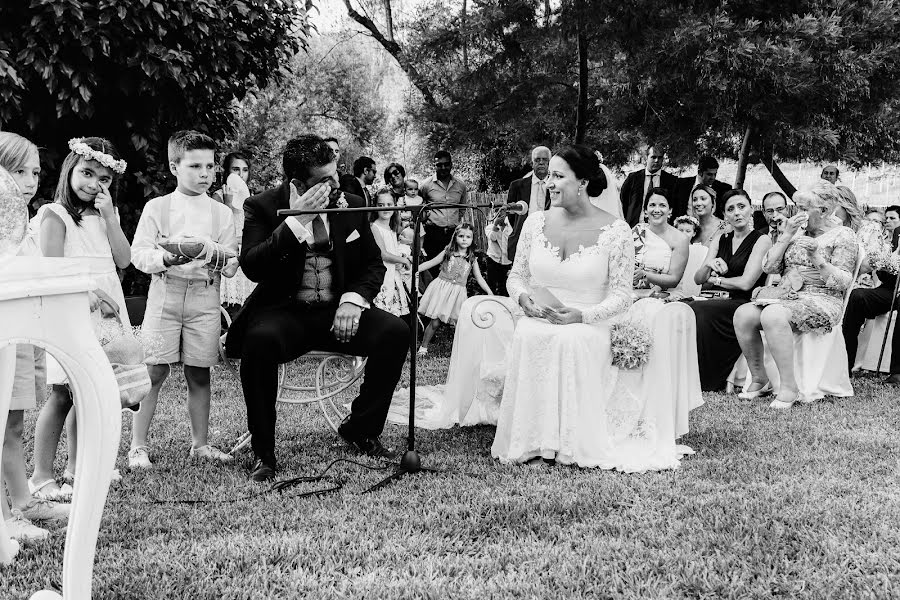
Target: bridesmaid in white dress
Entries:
(393, 296)
(660, 251)
(561, 398)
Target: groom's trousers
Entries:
(282, 333)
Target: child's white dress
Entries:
(86, 241)
(393, 296)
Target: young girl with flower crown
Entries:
(80, 223)
(446, 294)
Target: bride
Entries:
(562, 398)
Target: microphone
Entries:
(516, 208)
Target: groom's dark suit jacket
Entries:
(520, 189)
(272, 256)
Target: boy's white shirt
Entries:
(189, 216)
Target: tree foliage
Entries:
(799, 79)
(136, 71)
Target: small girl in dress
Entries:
(393, 296)
(80, 223)
(445, 295)
(688, 225)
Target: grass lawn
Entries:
(797, 504)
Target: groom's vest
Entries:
(316, 285)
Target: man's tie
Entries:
(542, 195)
(321, 243)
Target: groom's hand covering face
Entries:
(314, 198)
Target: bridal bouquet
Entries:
(631, 343)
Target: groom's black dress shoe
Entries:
(893, 378)
(263, 469)
(368, 446)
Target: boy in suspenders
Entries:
(182, 320)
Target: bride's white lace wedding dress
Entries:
(561, 396)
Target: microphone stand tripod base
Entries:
(410, 464)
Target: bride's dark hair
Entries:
(585, 164)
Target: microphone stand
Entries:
(411, 462)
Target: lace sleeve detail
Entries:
(843, 258)
(517, 282)
(621, 274)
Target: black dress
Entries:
(717, 344)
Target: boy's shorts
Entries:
(30, 380)
(182, 321)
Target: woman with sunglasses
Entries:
(395, 178)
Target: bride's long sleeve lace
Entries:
(518, 280)
(621, 274)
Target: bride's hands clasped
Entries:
(563, 316)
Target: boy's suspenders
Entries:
(164, 216)
(164, 219)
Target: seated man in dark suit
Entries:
(317, 275)
(868, 304)
(634, 189)
(363, 175)
(707, 169)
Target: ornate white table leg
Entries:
(45, 303)
(8, 548)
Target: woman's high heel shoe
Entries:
(784, 404)
(765, 390)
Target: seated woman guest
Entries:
(660, 250)
(817, 258)
(703, 208)
(733, 265)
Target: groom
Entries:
(317, 277)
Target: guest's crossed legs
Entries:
(281, 334)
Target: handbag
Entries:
(791, 283)
(125, 354)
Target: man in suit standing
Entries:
(363, 175)
(707, 169)
(532, 190)
(635, 187)
(868, 304)
(317, 276)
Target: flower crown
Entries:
(78, 146)
(687, 219)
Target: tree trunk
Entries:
(546, 13)
(399, 55)
(465, 36)
(388, 20)
(768, 158)
(742, 157)
(582, 106)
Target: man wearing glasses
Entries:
(363, 176)
(441, 188)
(774, 209)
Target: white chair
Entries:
(820, 360)
(44, 302)
(327, 374)
(870, 339)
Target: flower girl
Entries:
(393, 296)
(80, 223)
(445, 295)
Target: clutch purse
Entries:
(791, 283)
